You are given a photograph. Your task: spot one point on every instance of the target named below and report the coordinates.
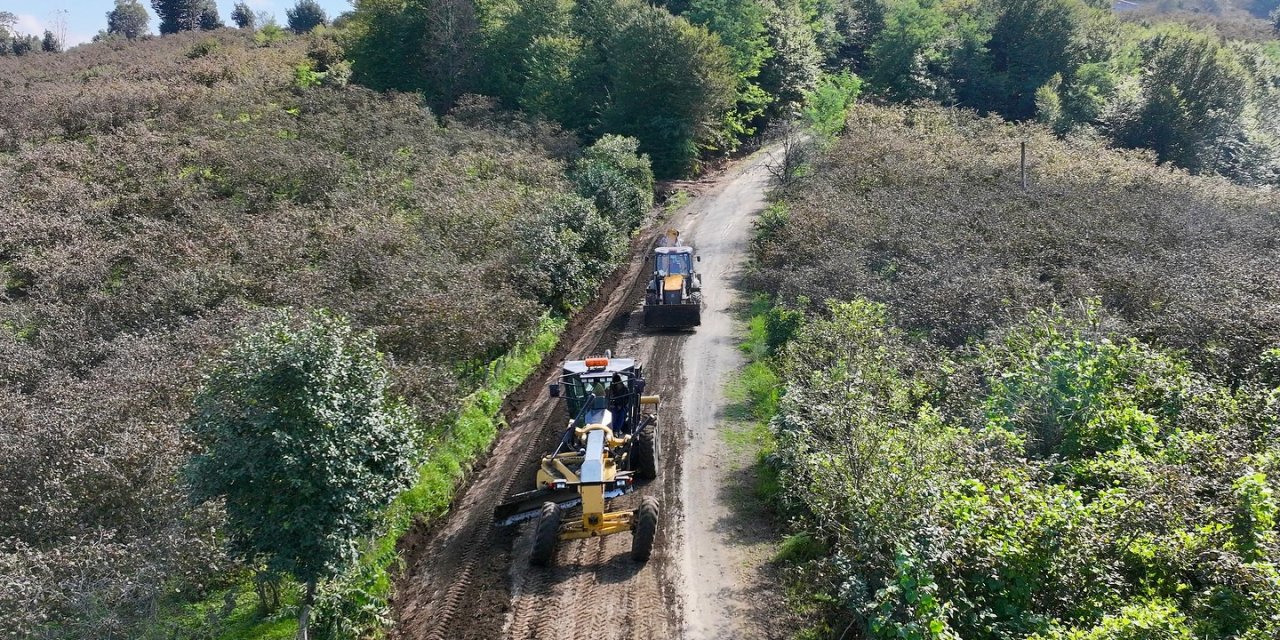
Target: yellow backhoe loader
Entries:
(673, 297)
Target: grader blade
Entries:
(525, 506)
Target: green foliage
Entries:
(1048, 104)
(305, 16)
(568, 249)
(203, 48)
(1076, 67)
(1149, 620)
(186, 15)
(242, 14)
(553, 65)
(1194, 92)
(740, 25)
(432, 46)
(618, 177)
(299, 439)
(128, 19)
(826, 107)
(656, 54)
(794, 67)
(908, 607)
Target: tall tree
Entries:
(1032, 40)
(7, 34)
(244, 17)
(300, 440)
(209, 18)
(509, 44)
(50, 44)
(430, 46)
(673, 82)
(186, 15)
(305, 16)
(795, 64)
(128, 19)
(1194, 92)
(740, 25)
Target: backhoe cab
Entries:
(608, 444)
(673, 297)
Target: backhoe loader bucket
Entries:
(672, 316)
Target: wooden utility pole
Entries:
(1024, 165)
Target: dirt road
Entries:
(466, 578)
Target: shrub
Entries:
(300, 442)
(618, 177)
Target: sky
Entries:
(84, 18)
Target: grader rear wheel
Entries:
(646, 529)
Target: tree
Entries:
(305, 16)
(511, 46)
(794, 66)
(1194, 92)
(209, 19)
(673, 82)
(619, 179)
(186, 15)
(1031, 41)
(740, 25)
(244, 17)
(297, 435)
(50, 44)
(128, 19)
(430, 46)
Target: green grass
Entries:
(753, 399)
(676, 200)
(365, 588)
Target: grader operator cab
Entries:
(608, 444)
(673, 297)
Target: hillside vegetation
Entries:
(161, 198)
(695, 79)
(1050, 414)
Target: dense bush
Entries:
(161, 195)
(921, 209)
(301, 446)
(1042, 414)
(1050, 483)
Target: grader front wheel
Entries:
(547, 535)
(646, 529)
(646, 454)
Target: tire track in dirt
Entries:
(455, 582)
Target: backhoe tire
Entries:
(546, 536)
(645, 452)
(646, 529)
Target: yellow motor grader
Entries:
(609, 443)
(673, 297)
